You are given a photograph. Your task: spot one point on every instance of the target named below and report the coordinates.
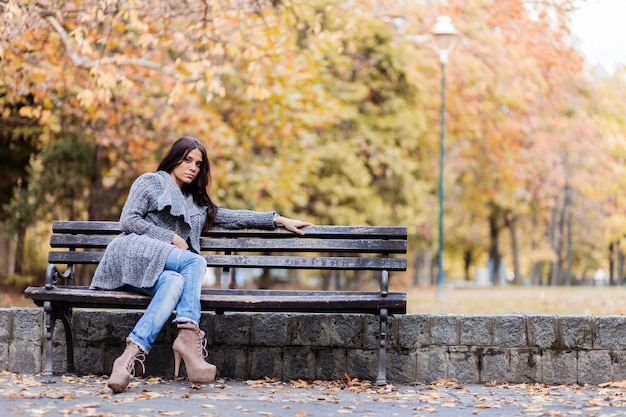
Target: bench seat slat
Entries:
(241, 261)
(254, 244)
(233, 300)
(348, 232)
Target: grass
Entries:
(594, 301)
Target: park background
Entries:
(330, 111)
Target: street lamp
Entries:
(444, 33)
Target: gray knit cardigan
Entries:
(155, 210)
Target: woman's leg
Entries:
(165, 296)
(177, 288)
(192, 267)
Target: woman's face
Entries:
(188, 169)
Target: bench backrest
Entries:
(321, 248)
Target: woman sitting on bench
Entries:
(157, 254)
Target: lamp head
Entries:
(444, 32)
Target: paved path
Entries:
(27, 395)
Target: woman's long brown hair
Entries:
(199, 187)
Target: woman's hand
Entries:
(179, 242)
(292, 225)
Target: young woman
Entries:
(157, 254)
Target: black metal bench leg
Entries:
(49, 321)
(65, 314)
(54, 313)
(381, 378)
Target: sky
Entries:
(600, 27)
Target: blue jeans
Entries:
(177, 288)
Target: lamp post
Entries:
(444, 33)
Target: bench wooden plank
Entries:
(253, 244)
(233, 300)
(372, 232)
(247, 261)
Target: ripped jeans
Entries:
(177, 288)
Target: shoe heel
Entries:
(177, 358)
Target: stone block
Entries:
(299, 363)
(331, 364)
(559, 367)
(24, 356)
(509, 331)
(609, 332)
(476, 330)
(542, 331)
(4, 355)
(27, 324)
(59, 332)
(494, 365)
(59, 357)
(266, 362)
(271, 330)
(575, 332)
(121, 323)
(392, 331)
(231, 362)
(463, 364)
(160, 362)
(89, 360)
(346, 330)
(402, 367)
(232, 329)
(371, 332)
(594, 367)
(525, 366)
(310, 329)
(618, 365)
(432, 364)
(413, 331)
(363, 364)
(6, 323)
(444, 330)
(90, 325)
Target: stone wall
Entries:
(421, 348)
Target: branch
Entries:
(87, 64)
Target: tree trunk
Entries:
(7, 251)
(423, 274)
(555, 273)
(494, 252)
(331, 283)
(568, 215)
(620, 266)
(265, 282)
(510, 222)
(467, 263)
(612, 262)
(20, 249)
(536, 273)
(360, 280)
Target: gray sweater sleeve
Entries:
(243, 219)
(141, 200)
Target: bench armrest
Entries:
(53, 274)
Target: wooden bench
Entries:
(321, 248)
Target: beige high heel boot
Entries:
(190, 345)
(124, 367)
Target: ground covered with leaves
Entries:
(28, 395)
